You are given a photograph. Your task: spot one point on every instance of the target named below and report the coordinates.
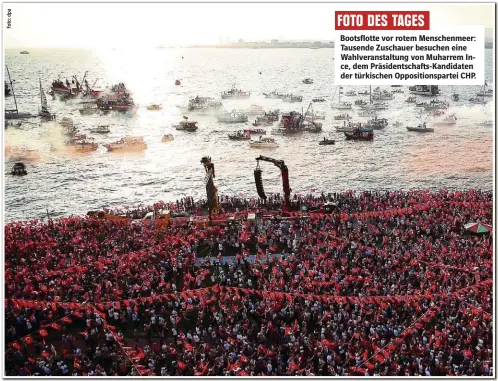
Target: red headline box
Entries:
(382, 20)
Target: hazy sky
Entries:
(121, 24)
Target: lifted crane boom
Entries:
(285, 179)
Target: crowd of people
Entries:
(386, 283)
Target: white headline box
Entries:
(405, 57)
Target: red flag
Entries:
(43, 332)
(28, 340)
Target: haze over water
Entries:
(457, 157)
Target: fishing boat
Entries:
(232, 117)
(7, 89)
(428, 91)
(24, 52)
(167, 138)
(291, 98)
(15, 114)
(308, 81)
(342, 117)
(377, 124)
(420, 128)
(154, 107)
(450, 119)
(127, 144)
(44, 113)
(234, 93)
(263, 143)
(115, 103)
(350, 93)
(186, 125)
(240, 135)
(274, 95)
(360, 134)
(88, 109)
(340, 105)
(103, 129)
(326, 142)
(19, 169)
(411, 100)
(22, 153)
(485, 92)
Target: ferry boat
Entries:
(235, 94)
(233, 117)
(100, 129)
(167, 138)
(127, 144)
(240, 135)
(264, 143)
(420, 128)
(186, 125)
(360, 134)
(430, 91)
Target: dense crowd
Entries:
(388, 283)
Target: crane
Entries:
(285, 179)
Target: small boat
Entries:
(274, 95)
(420, 128)
(374, 106)
(342, 106)
(100, 130)
(398, 91)
(396, 86)
(308, 81)
(81, 145)
(318, 100)
(455, 97)
(350, 93)
(89, 109)
(186, 125)
(177, 83)
(24, 52)
(485, 93)
(450, 119)
(360, 134)
(479, 101)
(154, 107)
(292, 98)
(326, 142)
(364, 92)
(349, 127)
(424, 90)
(203, 104)
(240, 135)
(264, 143)
(315, 115)
(487, 123)
(342, 117)
(377, 124)
(127, 144)
(383, 95)
(436, 113)
(367, 113)
(360, 102)
(232, 117)
(19, 169)
(235, 94)
(167, 138)
(14, 113)
(256, 131)
(411, 100)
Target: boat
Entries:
(372, 105)
(318, 100)
(435, 113)
(363, 92)
(121, 102)
(44, 112)
(367, 113)
(274, 95)
(455, 97)
(485, 92)
(19, 169)
(350, 93)
(308, 81)
(262, 121)
(342, 117)
(359, 134)
(167, 138)
(81, 145)
(127, 144)
(411, 100)
(232, 117)
(487, 123)
(263, 143)
(186, 125)
(397, 91)
(256, 131)
(383, 95)
(340, 105)
(420, 128)
(240, 135)
(100, 130)
(360, 102)
(291, 98)
(429, 91)
(315, 115)
(88, 109)
(154, 107)
(177, 83)
(326, 142)
(203, 104)
(234, 93)
(377, 124)
(24, 52)
(479, 101)
(15, 114)
(7, 89)
(450, 119)
(396, 86)
(21, 153)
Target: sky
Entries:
(62, 25)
